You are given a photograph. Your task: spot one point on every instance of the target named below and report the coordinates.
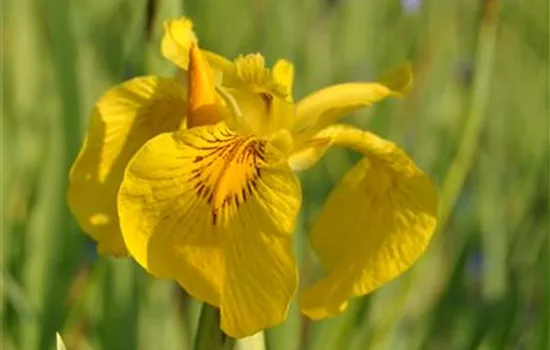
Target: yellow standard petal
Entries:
(374, 225)
(177, 41)
(327, 105)
(283, 75)
(124, 119)
(215, 211)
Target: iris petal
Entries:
(328, 105)
(178, 39)
(215, 210)
(283, 74)
(124, 119)
(260, 113)
(374, 225)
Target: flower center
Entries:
(251, 69)
(227, 172)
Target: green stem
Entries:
(209, 335)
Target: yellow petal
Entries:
(219, 64)
(327, 105)
(309, 152)
(283, 75)
(251, 74)
(215, 211)
(177, 41)
(261, 275)
(202, 102)
(124, 119)
(258, 113)
(374, 225)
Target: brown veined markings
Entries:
(227, 173)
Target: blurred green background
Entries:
(476, 121)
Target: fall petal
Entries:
(215, 211)
(375, 224)
(124, 119)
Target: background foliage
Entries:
(477, 121)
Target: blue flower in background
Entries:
(411, 6)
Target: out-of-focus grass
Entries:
(477, 121)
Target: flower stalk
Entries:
(209, 335)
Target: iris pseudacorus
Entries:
(194, 178)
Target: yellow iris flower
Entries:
(194, 178)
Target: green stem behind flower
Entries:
(209, 335)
